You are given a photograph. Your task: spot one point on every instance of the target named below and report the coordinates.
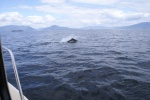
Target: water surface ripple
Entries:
(102, 65)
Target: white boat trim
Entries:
(14, 93)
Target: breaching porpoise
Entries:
(72, 40)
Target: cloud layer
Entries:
(99, 2)
(15, 18)
(78, 13)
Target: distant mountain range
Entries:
(55, 27)
(94, 27)
(143, 25)
(15, 28)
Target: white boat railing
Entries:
(15, 72)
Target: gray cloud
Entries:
(116, 13)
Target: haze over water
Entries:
(102, 65)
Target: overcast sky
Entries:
(74, 13)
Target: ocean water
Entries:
(102, 65)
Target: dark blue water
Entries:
(102, 65)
